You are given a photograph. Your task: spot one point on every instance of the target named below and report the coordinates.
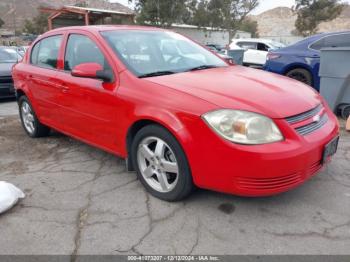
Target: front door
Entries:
(89, 106)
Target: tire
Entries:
(301, 75)
(29, 120)
(344, 111)
(154, 152)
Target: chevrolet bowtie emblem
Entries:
(316, 118)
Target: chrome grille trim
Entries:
(305, 130)
(305, 115)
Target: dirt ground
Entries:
(80, 200)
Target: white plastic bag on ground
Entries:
(9, 195)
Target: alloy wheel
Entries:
(28, 117)
(300, 77)
(158, 165)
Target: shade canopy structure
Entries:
(75, 16)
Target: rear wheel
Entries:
(161, 164)
(344, 111)
(29, 120)
(301, 75)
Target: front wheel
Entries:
(161, 164)
(30, 122)
(301, 75)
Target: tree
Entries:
(226, 14)
(251, 26)
(1, 22)
(38, 25)
(313, 12)
(81, 3)
(161, 12)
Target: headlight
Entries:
(243, 127)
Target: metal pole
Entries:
(87, 20)
(14, 15)
(158, 11)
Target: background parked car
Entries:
(256, 50)
(8, 57)
(22, 50)
(301, 61)
(217, 48)
(221, 53)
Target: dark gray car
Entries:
(8, 57)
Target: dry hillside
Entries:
(280, 22)
(26, 9)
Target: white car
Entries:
(256, 50)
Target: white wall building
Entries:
(287, 40)
(207, 35)
(242, 35)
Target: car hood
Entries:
(242, 88)
(6, 69)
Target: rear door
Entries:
(42, 78)
(88, 106)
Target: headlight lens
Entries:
(243, 127)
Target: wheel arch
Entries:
(19, 94)
(296, 66)
(140, 123)
(301, 66)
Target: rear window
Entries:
(45, 52)
(247, 45)
(340, 40)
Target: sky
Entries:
(264, 4)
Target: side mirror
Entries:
(92, 70)
(229, 60)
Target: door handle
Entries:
(65, 89)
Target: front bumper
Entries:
(260, 170)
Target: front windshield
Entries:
(8, 56)
(151, 52)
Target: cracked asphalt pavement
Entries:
(81, 200)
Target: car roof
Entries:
(99, 28)
(309, 40)
(262, 40)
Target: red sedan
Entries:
(180, 115)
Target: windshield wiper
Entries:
(202, 67)
(158, 73)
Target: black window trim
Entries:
(39, 42)
(330, 35)
(65, 52)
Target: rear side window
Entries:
(247, 45)
(81, 49)
(45, 52)
(341, 40)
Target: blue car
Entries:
(301, 61)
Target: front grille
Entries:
(269, 183)
(305, 130)
(6, 80)
(311, 123)
(305, 115)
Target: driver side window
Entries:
(80, 50)
(263, 47)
